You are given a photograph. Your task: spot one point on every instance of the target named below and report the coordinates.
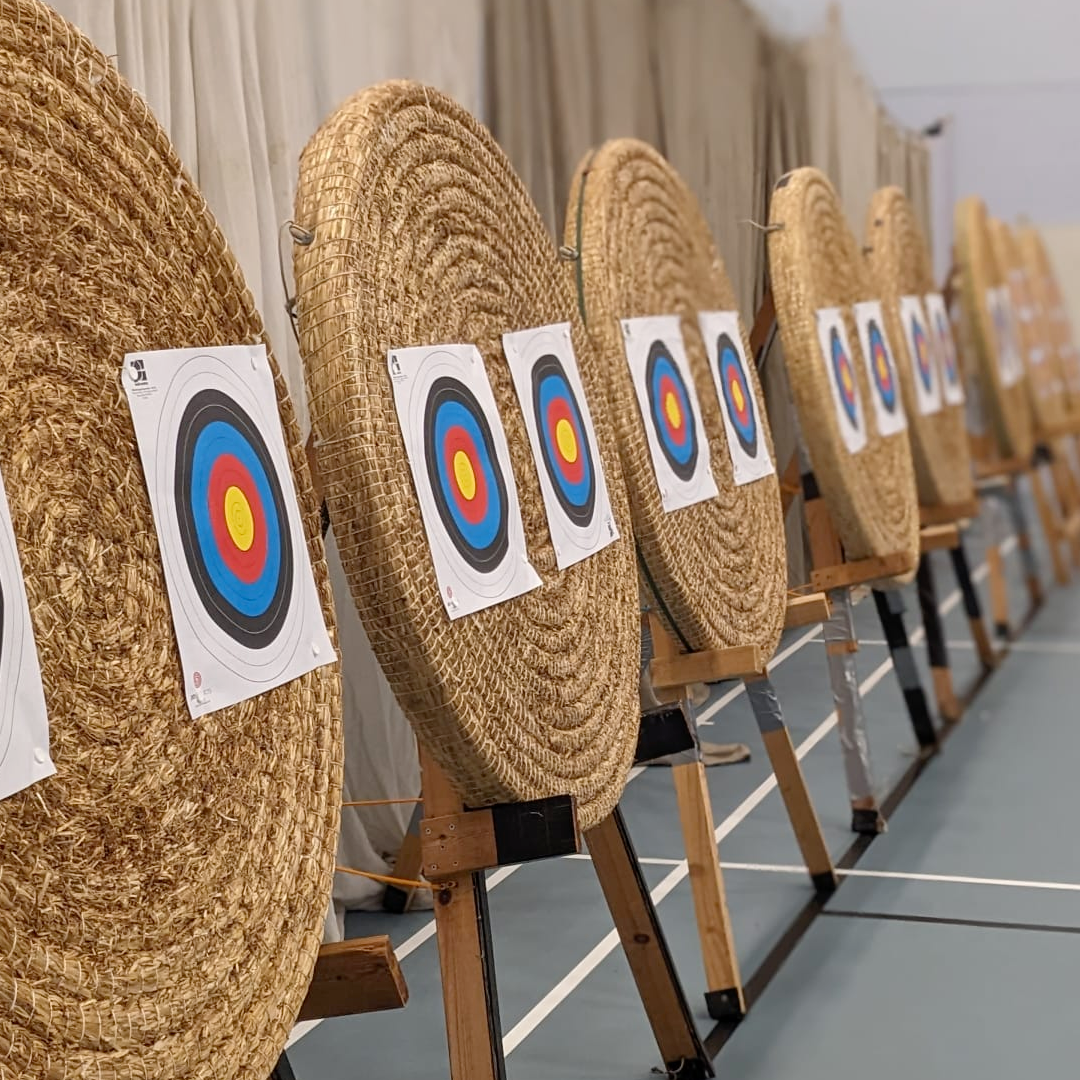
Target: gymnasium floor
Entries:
(949, 950)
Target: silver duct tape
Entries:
(994, 517)
(766, 705)
(844, 680)
(894, 601)
(1020, 524)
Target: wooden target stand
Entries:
(671, 672)
(456, 847)
(835, 575)
(942, 529)
(998, 478)
(1059, 517)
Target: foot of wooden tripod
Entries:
(866, 818)
(724, 989)
(646, 949)
(792, 783)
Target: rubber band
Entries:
(386, 879)
(383, 802)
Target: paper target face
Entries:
(670, 411)
(244, 604)
(924, 363)
(563, 441)
(743, 416)
(1010, 363)
(24, 722)
(880, 367)
(952, 384)
(836, 355)
(460, 465)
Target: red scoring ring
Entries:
(559, 409)
(676, 432)
(228, 471)
(735, 378)
(474, 509)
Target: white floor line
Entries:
(645, 860)
(900, 875)
(548, 1003)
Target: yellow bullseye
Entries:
(239, 519)
(567, 441)
(464, 475)
(672, 410)
(845, 375)
(737, 395)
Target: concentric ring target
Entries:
(670, 411)
(565, 450)
(845, 377)
(467, 482)
(738, 398)
(948, 349)
(232, 521)
(922, 355)
(881, 368)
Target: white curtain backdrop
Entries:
(241, 85)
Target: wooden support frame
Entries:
(807, 610)
(725, 995)
(360, 975)
(463, 930)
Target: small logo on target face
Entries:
(137, 367)
(196, 678)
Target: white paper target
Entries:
(944, 347)
(837, 357)
(880, 368)
(739, 405)
(460, 465)
(563, 440)
(670, 410)
(924, 365)
(1010, 362)
(24, 722)
(244, 604)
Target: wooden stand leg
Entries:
(791, 782)
(646, 949)
(724, 995)
(972, 607)
(999, 592)
(399, 898)
(1069, 497)
(462, 929)
(890, 609)
(948, 705)
(1051, 526)
(1023, 542)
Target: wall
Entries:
(1003, 73)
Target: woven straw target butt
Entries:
(1050, 304)
(899, 262)
(1007, 408)
(815, 262)
(1046, 394)
(163, 896)
(644, 247)
(423, 234)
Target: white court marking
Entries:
(547, 1005)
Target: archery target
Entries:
(563, 440)
(1010, 363)
(24, 722)
(836, 355)
(924, 365)
(670, 411)
(937, 315)
(739, 405)
(245, 609)
(880, 367)
(460, 465)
